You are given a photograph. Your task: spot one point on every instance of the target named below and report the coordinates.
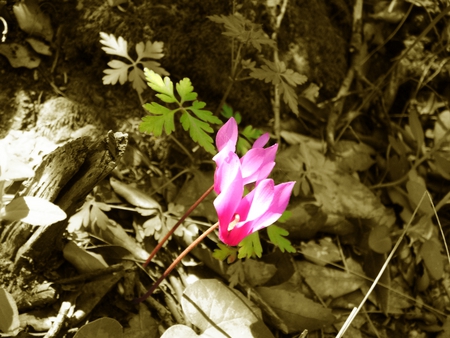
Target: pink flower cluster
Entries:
(239, 215)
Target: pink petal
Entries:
(226, 171)
(232, 187)
(262, 198)
(257, 163)
(227, 135)
(282, 194)
(235, 236)
(261, 141)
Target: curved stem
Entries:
(176, 261)
(181, 220)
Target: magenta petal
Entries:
(262, 199)
(227, 170)
(229, 178)
(261, 141)
(227, 135)
(257, 163)
(235, 236)
(282, 194)
(251, 162)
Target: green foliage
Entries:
(118, 71)
(277, 237)
(250, 246)
(277, 74)
(225, 252)
(246, 136)
(243, 30)
(193, 118)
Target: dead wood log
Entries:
(99, 160)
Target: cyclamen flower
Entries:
(240, 216)
(257, 163)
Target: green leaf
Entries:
(416, 128)
(136, 77)
(186, 90)
(244, 30)
(197, 131)
(163, 118)
(155, 66)
(150, 50)
(33, 210)
(227, 111)
(287, 79)
(164, 87)
(250, 246)
(285, 216)
(117, 72)
(243, 145)
(432, 258)
(225, 252)
(251, 133)
(276, 236)
(114, 46)
(380, 239)
(9, 315)
(102, 328)
(204, 115)
(289, 97)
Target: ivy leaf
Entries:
(164, 87)
(250, 246)
(114, 46)
(163, 118)
(277, 74)
(117, 72)
(197, 131)
(242, 29)
(186, 90)
(276, 236)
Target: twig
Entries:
(176, 261)
(276, 58)
(181, 220)
(380, 273)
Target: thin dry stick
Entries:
(375, 282)
(176, 261)
(276, 58)
(181, 220)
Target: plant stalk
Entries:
(176, 261)
(181, 220)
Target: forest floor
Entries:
(362, 127)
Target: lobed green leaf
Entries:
(163, 119)
(197, 131)
(117, 72)
(186, 90)
(164, 87)
(250, 246)
(114, 46)
(277, 237)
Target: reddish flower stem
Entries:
(181, 220)
(176, 261)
